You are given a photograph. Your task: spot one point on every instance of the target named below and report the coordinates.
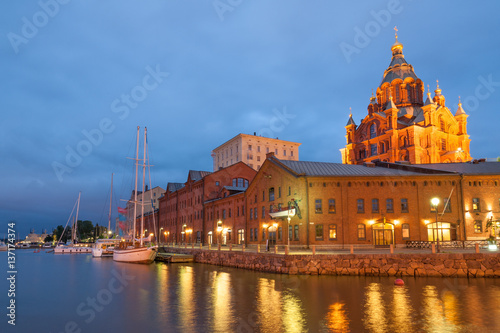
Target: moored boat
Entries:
(104, 247)
(132, 251)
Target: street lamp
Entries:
(435, 203)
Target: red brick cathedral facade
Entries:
(400, 126)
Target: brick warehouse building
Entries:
(375, 204)
(187, 212)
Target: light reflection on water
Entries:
(205, 298)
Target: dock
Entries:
(174, 257)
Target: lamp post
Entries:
(159, 236)
(435, 203)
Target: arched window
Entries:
(442, 125)
(373, 131)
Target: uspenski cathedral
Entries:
(400, 126)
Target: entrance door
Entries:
(383, 234)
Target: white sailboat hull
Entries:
(137, 255)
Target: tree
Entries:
(85, 229)
(49, 238)
(57, 232)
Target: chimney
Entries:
(270, 154)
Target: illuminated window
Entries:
(361, 232)
(331, 206)
(405, 230)
(478, 226)
(476, 205)
(318, 206)
(332, 232)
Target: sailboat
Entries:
(106, 247)
(74, 247)
(136, 251)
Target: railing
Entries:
(410, 247)
(469, 244)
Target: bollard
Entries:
(192, 245)
(231, 247)
(314, 249)
(275, 249)
(242, 247)
(477, 247)
(392, 248)
(286, 249)
(200, 246)
(218, 247)
(209, 246)
(258, 248)
(433, 248)
(352, 249)
(185, 245)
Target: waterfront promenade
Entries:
(317, 260)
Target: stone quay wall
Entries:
(431, 265)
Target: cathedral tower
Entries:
(401, 127)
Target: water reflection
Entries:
(293, 314)
(375, 309)
(222, 303)
(401, 310)
(185, 295)
(205, 298)
(337, 319)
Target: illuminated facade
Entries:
(400, 126)
(376, 204)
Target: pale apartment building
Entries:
(149, 198)
(252, 150)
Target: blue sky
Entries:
(80, 76)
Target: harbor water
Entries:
(78, 293)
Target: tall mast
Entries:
(76, 218)
(135, 190)
(110, 201)
(143, 183)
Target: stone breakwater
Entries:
(431, 265)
